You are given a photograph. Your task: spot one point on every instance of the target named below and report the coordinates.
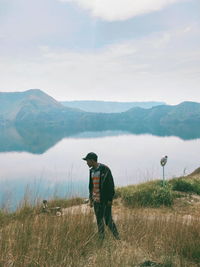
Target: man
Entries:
(101, 193)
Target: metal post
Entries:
(163, 175)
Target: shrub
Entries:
(196, 186)
(153, 195)
(186, 185)
(162, 196)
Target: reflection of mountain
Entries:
(33, 140)
(38, 140)
(33, 121)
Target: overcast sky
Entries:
(120, 50)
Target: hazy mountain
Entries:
(181, 120)
(33, 121)
(165, 115)
(30, 106)
(108, 106)
(12, 103)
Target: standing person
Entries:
(101, 193)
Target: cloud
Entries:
(113, 10)
(162, 66)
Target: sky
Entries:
(111, 50)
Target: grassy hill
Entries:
(159, 226)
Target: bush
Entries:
(186, 185)
(149, 195)
(162, 196)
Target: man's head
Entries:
(91, 159)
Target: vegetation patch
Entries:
(152, 194)
(189, 185)
(156, 194)
(29, 237)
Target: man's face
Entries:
(90, 162)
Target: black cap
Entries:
(91, 155)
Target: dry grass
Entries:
(168, 235)
(46, 240)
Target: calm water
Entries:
(60, 171)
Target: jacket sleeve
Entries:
(90, 186)
(111, 186)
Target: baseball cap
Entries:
(91, 155)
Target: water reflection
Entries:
(38, 140)
(132, 159)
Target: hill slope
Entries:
(29, 106)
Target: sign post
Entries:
(163, 162)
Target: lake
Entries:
(60, 171)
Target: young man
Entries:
(101, 189)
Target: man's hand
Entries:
(109, 203)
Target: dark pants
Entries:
(103, 213)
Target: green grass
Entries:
(151, 194)
(155, 194)
(186, 184)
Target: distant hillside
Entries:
(108, 106)
(186, 112)
(29, 106)
(33, 112)
(11, 103)
(181, 120)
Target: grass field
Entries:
(157, 232)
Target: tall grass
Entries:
(29, 237)
(39, 239)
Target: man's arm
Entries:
(90, 190)
(111, 187)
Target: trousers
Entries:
(103, 214)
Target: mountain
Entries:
(186, 112)
(13, 103)
(108, 106)
(30, 106)
(34, 121)
(181, 120)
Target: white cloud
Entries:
(112, 10)
(163, 66)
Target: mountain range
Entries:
(108, 106)
(34, 118)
